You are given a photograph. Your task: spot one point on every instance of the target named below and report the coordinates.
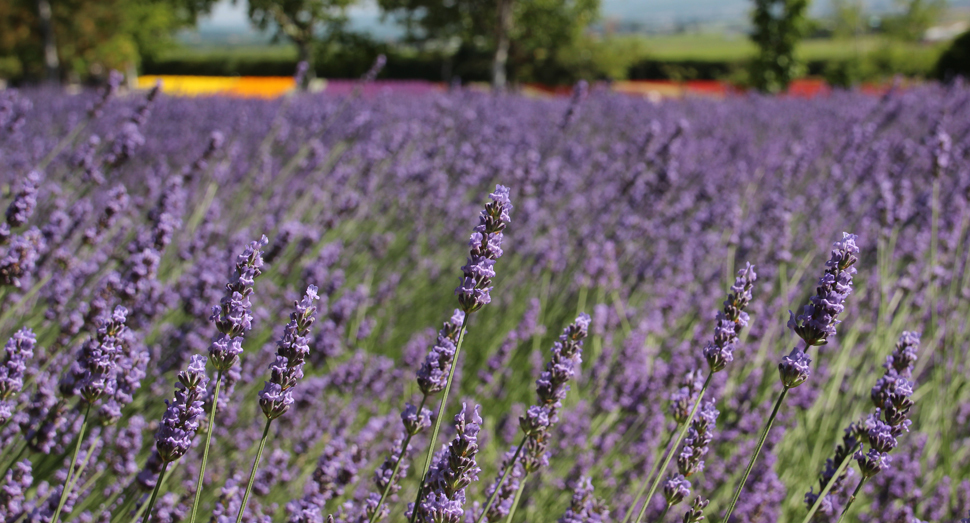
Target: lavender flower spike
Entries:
(181, 419)
(19, 349)
(292, 349)
(486, 247)
(676, 489)
(818, 319)
(731, 320)
(454, 470)
(234, 316)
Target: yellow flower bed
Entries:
(240, 86)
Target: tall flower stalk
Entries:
(814, 326)
(92, 377)
(233, 317)
(551, 387)
(180, 421)
(432, 379)
(277, 394)
(455, 469)
(892, 397)
(473, 293)
(731, 319)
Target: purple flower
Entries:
(904, 355)
(942, 144)
(872, 462)
(433, 374)
(13, 493)
(691, 458)
(18, 258)
(584, 507)
(453, 470)
(682, 400)
(94, 372)
(18, 350)
(818, 319)
(731, 320)
(486, 247)
(24, 202)
(181, 419)
(676, 489)
(795, 368)
(414, 421)
(233, 317)
(291, 352)
(695, 513)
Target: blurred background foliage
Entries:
(553, 42)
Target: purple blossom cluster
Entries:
(818, 319)
(731, 320)
(183, 415)
(486, 247)
(453, 471)
(292, 349)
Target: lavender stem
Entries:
(643, 486)
(757, 451)
(252, 475)
(680, 437)
(491, 499)
(851, 499)
(397, 466)
(158, 485)
(205, 449)
(70, 468)
(437, 421)
(515, 500)
(838, 472)
(664, 513)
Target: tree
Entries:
(300, 21)
(85, 38)
(778, 26)
(524, 37)
(913, 18)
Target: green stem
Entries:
(252, 475)
(7, 465)
(205, 449)
(70, 468)
(515, 500)
(158, 486)
(437, 421)
(851, 499)
(664, 513)
(829, 485)
(501, 480)
(670, 455)
(404, 449)
(643, 486)
(757, 451)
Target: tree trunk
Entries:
(503, 29)
(51, 62)
(305, 54)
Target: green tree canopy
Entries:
(92, 36)
(534, 32)
(778, 26)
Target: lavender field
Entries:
(192, 286)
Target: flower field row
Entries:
(464, 307)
